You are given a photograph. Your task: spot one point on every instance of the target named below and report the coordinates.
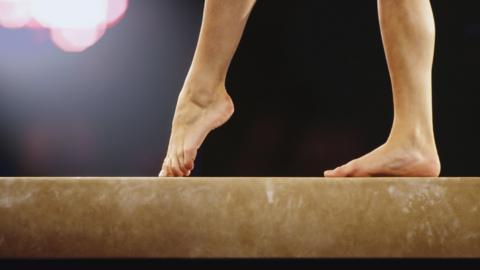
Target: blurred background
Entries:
(309, 82)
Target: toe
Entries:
(181, 163)
(189, 165)
(164, 170)
(333, 173)
(182, 160)
(328, 173)
(175, 167)
(341, 171)
(167, 168)
(353, 169)
(189, 155)
(350, 169)
(170, 171)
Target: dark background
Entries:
(309, 82)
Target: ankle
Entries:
(203, 92)
(414, 138)
(419, 145)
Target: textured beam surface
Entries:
(239, 217)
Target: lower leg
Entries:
(408, 33)
(203, 103)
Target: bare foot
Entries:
(197, 113)
(392, 159)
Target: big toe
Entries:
(328, 173)
(341, 171)
(189, 157)
(189, 165)
(333, 173)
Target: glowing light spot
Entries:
(76, 40)
(77, 14)
(14, 13)
(75, 25)
(116, 11)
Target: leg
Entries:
(408, 33)
(203, 103)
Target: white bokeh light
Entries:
(76, 14)
(14, 13)
(75, 25)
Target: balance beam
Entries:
(250, 217)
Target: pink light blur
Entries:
(76, 40)
(116, 11)
(75, 25)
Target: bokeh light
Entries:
(75, 25)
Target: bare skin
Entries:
(408, 33)
(204, 103)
